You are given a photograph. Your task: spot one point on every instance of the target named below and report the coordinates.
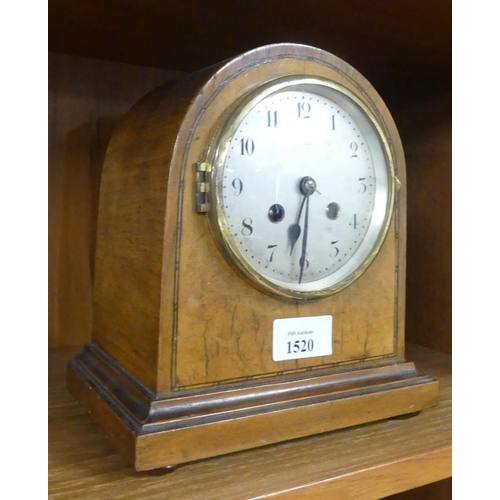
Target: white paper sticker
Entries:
(296, 338)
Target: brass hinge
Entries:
(203, 170)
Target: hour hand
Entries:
(294, 230)
(293, 235)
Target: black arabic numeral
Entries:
(247, 146)
(247, 226)
(272, 118)
(363, 187)
(335, 250)
(354, 149)
(272, 251)
(304, 108)
(238, 186)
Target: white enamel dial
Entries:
(303, 186)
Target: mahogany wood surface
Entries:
(365, 462)
(426, 131)
(87, 98)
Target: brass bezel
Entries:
(217, 153)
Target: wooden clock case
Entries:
(180, 364)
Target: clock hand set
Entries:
(307, 187)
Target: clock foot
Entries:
(168, 469)
(162, 471)
(406, 416)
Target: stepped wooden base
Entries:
(153, 433)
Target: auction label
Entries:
(296, 338)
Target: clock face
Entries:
(303, 186)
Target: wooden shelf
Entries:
(192, 34)
(366, 462)
(398, 43)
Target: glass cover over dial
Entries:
(302, 187)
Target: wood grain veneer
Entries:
(365, 462)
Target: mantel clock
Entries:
(250, 262)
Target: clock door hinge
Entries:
(203, 170)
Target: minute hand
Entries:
(304, 239)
